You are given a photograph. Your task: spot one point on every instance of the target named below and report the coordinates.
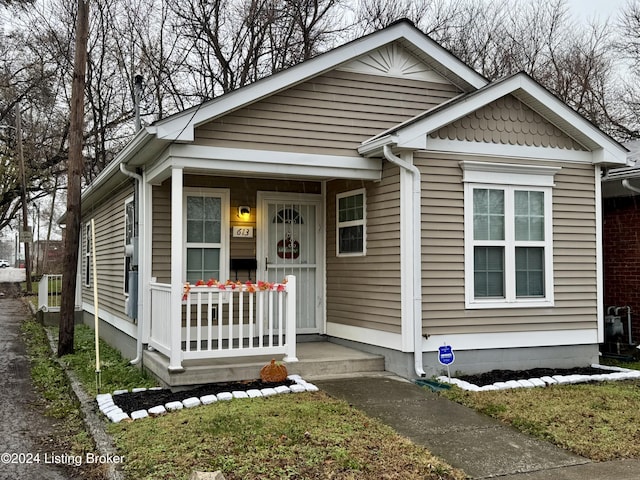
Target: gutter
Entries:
(139, 208)
(416, 250)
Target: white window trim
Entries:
(223, 194)
(124, 240)
(508, 177)
(87, 254)
(352, 223)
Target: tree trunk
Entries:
(75, 169)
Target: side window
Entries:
(351, 233)
(87, 255)
(205, 224)
(129, 233)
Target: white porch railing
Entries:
(221, 321)
(50, 293)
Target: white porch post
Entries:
(290, 355)
(175, 360)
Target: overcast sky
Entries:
(589, 9)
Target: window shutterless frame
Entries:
(87, 254)
(521, 248)
(211, 238)
(129, 233)
(351, 223)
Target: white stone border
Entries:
(114, 413)
(618, 374)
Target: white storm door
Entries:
(291, 243)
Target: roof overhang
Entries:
(414, 134)
(180, 127)
(142, 148)
(264, 163)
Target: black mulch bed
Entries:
(505, 375)
(131, 402)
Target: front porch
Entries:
(228, 332)
(315, 359)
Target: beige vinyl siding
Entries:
(242, 192)
(109, 221)
(574, 254)
(508, 121)
(364, 291)
(334, 112)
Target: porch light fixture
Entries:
(244, 213)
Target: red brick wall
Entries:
(621, 252)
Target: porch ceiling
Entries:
(262, 163)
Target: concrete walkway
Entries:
(24, 432)
(479, 445)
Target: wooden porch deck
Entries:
(316, 359)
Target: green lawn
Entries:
(302, 436)
(600, 421)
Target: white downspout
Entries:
(139, 208)
(416, 251)
(627, 184)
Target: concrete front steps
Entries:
(315, 360)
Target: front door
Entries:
(291, 243)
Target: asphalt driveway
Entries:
(24, 431)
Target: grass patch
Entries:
(302, 436)
(596, 420)
(287, 436)
(116, 372)
(56, 397)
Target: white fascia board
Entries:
(493, 150)
(264, 163)
(486, 341)
(180, 126)
(373, 148)
(416, 132)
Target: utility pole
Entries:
(75, 168)
(23, 195)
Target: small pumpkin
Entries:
(273, 372)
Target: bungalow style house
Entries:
(409, 203)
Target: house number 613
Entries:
(243, 232)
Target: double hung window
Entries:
(206, 241)
(508, 240)
(351, 223)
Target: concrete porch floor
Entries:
(315, 360)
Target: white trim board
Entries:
(263, 162)
(500, 150)
(369, 336)
(487, 341)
